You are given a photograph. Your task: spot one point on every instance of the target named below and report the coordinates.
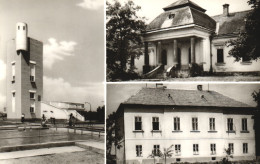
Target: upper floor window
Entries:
(220, 56)
(244, 124)
(178, 149)
(212, 124)
(32, 95)
(195, 149)
(155, 123)
(213, 148)
(194, 123)
(156, 150)
(13, 72)
(230, 124)
(138, 150)
(176, 123)
(245, 148)
(32, 71)
(138, 123)
(32, 107)
(231, 148)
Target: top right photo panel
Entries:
(182, 40)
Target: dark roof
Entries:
(183, 3)
(172, 97)
(180, 16)
(231, 24)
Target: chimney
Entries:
(199, 87)
(226, 9)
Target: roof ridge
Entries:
(232, 13)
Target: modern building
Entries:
(199, 125)
(184, 35)
(62, 110)
(24, 75)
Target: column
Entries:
(146, 56)
(192, 45)
(146, 67)
(158, 53)
(206, 54)
(175, 52)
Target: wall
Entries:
(230, 64)
(186, 138)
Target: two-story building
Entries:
(199, 125)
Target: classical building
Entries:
(24, 75)
(184, 34)
(198, 124)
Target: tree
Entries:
(112, 130)
(101, 113)
(228, 155)
(123, 34)
(167, 153)
(247, 45)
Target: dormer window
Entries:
(171, 16)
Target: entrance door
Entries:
(164, 57)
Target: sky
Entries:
(72, 32)
(152, 8)
(118, 93)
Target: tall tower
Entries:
(24, 75)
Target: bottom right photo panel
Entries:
(165, 123)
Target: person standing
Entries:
(22, 117)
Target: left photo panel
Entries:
(52, 107)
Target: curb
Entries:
(94, 149)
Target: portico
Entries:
(179, 38)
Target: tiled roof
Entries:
(182, 16)
(231, 24)
(159, 96)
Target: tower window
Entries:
(32, 95)
(13, 72)
(32, 72)
(23, 27)
(18, 27)
(13, 101)
(32, 107)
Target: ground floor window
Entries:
(138, 150)
(178, 149)
(220, 56)
(245, 148)
(231, 148)
(156, 150)
(213, 148)
(195, 149)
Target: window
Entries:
(13, 72)
(230, 124)
(212, 124)
(220, 56)
(213, 149)
(244, 124)
(32, 107)
(138, 123)
(32, 70)
(194, 123)
(18, 27)
(138, 150)
(176, 123)
(178, 149)
(231, 148)
(23, 27)
(32, 95)
(195, 149)
(156, 150)
(245, 148)
(155, 123)
(13, 101)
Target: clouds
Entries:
(57, 89)
(56, 51)
(91, 4)
(2, 70)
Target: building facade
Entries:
(184, 35)
(24, 75)
(199, 125)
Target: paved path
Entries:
(37, 152)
